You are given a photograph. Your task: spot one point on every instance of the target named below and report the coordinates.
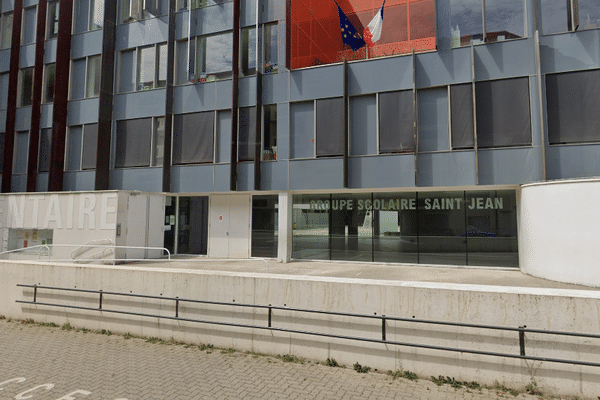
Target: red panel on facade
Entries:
(315, 35)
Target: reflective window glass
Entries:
(214, 57)
(7, 26)
(248, 51)
(504, 19)
(52, 23)
(264, 226)
(49, 74)
(94, 67)
(394, 220)
(26, 87)
(146, 64)
(310, 227)
(29, 25)
(270, 54)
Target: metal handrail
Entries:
(82, 248)
(112, 246)
(383, 318)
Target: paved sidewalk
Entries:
(56, 364)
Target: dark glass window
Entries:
(90, 144)
(330, 127)
(45, 141)
(396, 122)
(26, 86)
(269, 132)
(133, 143)
(461, 108)
(573, 101)
(193, 138)
(264, 226)
(247, 134)
(503, 115)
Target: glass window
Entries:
(302, 117)
(247, 134)
(75, 138)
(363, 125)
(573, 101)
(503, 114)
(214, 57)
(223, 136)
(128, 71)
(248, 51)
(90, 144)
(310, 226)
(96, 20)
(330, 127)
(20, 152)
(130, 10)
(350, 227)
(396, 122)
(433, 119)
(269, 150)
(4, 91)
(49, 73)
(135, 10)
(92, 85)
(193, 138)
(146, 65)
(182, 71)
(504, 19)
(133, 143)
(52, 24)
(7, 27)
(78, 70)
(162, 66)
(271, 50)
(158, 142)
(570, 15)
(26, 87)
(394, 220)
(81, 16)
(29, 25)
(461, 108)
(45, 142)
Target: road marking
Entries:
(21, 396)
(48, 386)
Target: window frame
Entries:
(159, 65)
(137, 10)
(52, 19)
(85, 79)
(154, 143)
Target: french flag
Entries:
(372, 32)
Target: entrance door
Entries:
(192, 232)
(230, 226)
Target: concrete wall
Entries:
(559, 230)
(537, 308)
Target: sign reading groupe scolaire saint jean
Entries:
(433, 203)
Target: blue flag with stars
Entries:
(350, 35)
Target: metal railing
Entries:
(521, 330)
(46, 250)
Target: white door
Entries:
(229, 230)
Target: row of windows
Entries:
(383, 123)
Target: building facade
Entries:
(286, 129)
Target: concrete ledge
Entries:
(551, 309)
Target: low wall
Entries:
(559, 227)
(554, 309)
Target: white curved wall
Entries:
(559, 231)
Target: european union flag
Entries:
(350, 35)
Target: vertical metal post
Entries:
(100, 301)
(522, 339)
(383, 328)
(270, 311)
(176, 307)
(34, 292)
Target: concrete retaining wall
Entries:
(577, 311)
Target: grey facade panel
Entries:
(247, 87)
(193, 98)
(443, 67)
(142, 179)
(23, 119)
(274, 175)
(223, 94)
(192, 178)
(41, 183)
(221, 181)
(18, 183)
(380, 75)
(456, 168)
(504, 59)
(142, 33)
(324, 173)
(4, 60)
(283, 131)
(27, 57)
(82, 112)
(46, 116)
(316, 83)
(382, 171)
(275, 88)
(510, 166)
(50, 50)
(78, 180)
(245, 176)
(570, 51)
(139, 104)
(564, 162)
(86, 44)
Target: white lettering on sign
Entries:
(57, 211)
(53, 213)
(70, 395)
(21, 396)
(87, 208)
(18, 380)
(486, 203)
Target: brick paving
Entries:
(62, 364)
